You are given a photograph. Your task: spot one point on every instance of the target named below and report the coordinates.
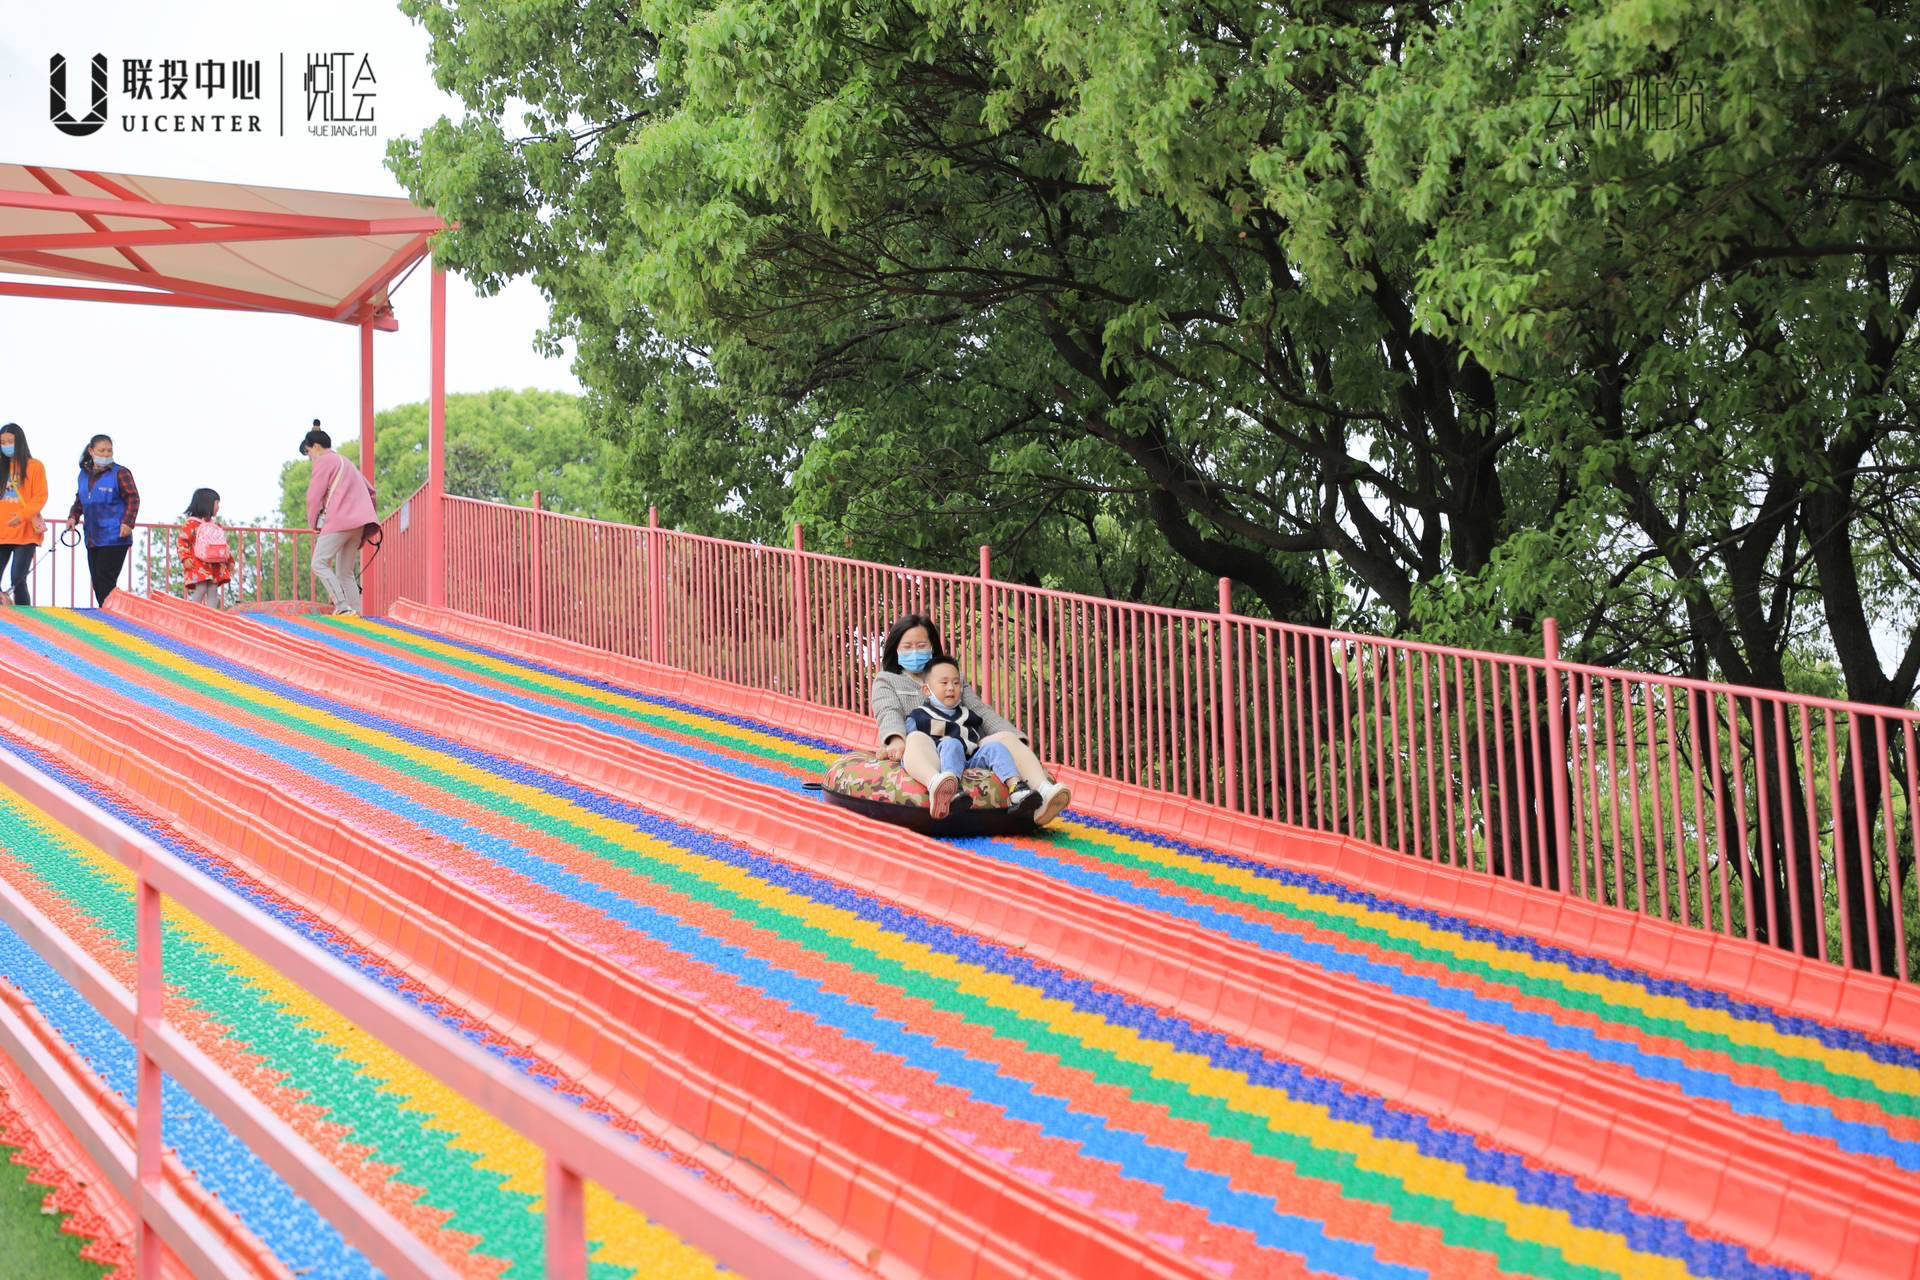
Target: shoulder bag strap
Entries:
(332, 489)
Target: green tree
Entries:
(1436, 317)
(1309, 293)
(728, 459)
(501, 446)
(1710, 291)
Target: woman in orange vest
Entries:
(25, 492)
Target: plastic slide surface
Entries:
(1106, 1050)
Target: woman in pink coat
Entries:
(340, 506)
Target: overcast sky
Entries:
(221, 398)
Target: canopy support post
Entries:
(437, 449)
(366, 395)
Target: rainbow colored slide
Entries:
(1147, 1043)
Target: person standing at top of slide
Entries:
(109, 501)
(340, 506)
(25, 494)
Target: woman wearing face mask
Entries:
(910, 645)
(25, 494)
(110, 502)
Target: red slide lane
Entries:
(861, 1166)
(1793, 984)
(92, 1094)
(1752, 1182)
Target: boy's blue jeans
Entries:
(991, 755)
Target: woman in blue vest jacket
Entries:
(110, 503)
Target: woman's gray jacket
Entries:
(896, 693)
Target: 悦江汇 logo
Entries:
(59, 109)
(341, 88)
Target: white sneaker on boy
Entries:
(1053, 801)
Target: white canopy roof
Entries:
(116, 237)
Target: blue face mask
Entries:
(6, 450)
(915, 660)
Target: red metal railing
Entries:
(268, 564)
(577, 1146)
(1788, 820)
(398, 569)
(1784, 819)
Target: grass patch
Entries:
(31, 1243)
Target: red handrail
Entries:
(1633, 789)
(268, 564)
(1736, 809)
(399, 568)
(578, 1146)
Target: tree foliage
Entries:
(1439, 318)
(501, 446)
(1394, 315)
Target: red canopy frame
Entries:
(160, 224)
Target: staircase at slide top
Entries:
(1107, 1051)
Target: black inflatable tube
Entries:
(960, 821)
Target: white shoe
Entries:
(1053, 801)
(940, 795)
(1023, 799)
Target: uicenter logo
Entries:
(63, 119)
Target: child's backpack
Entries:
(210, 544)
